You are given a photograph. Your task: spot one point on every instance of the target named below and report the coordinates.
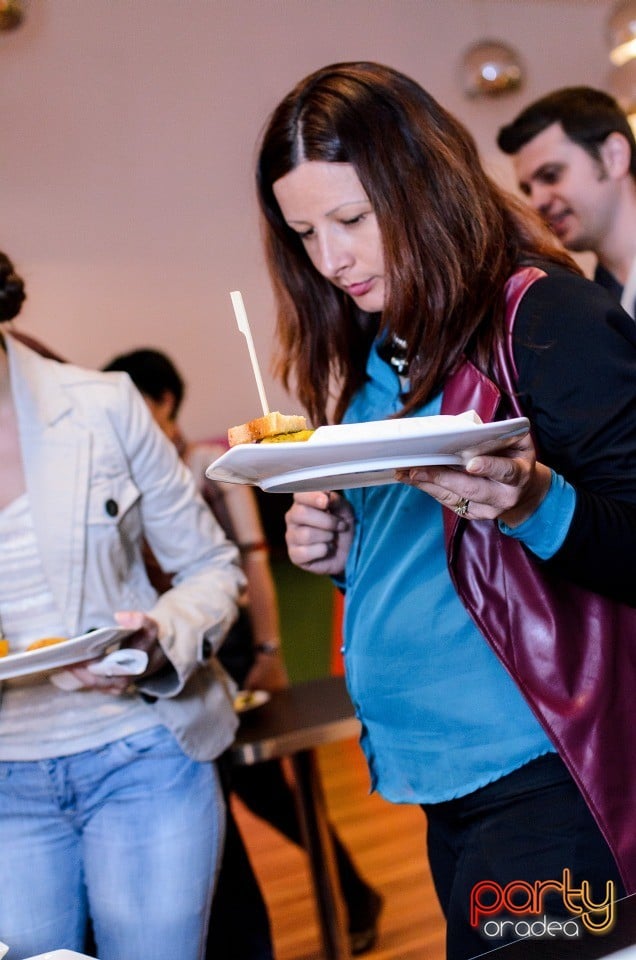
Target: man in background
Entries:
(574, 155)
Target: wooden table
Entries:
(293, 724)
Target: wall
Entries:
(130, 131)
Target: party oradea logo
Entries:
(518, 909)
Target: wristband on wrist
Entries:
(253, 547)
(270, 648)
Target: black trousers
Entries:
(528, 826)
(239, 923)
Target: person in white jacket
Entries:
(110, 803)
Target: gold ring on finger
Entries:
(461, 507)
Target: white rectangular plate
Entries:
(361, 454)
(85, 647)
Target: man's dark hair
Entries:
(12, 293)
(153, 373)
(587, 116)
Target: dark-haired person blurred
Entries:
(252, 655)
(111, 801)
(488, 608)
(574, 155)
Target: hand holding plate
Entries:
(507, 484)
(144, 637)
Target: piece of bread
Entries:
(273, 425)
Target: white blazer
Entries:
(100, 476)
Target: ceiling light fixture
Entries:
(490, 68)
(621, 83)
(621, 33)
(10, 14)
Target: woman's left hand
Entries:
(145, 637)
(508, 484)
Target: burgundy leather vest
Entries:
(569, 650)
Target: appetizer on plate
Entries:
(274, 427)
(249, 699)
(35, 645)
(46, 642)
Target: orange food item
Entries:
(45, 642)
(4, 647)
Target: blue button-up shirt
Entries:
(440, 715)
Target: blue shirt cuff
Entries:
(545, 530)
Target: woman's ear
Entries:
(616, 155)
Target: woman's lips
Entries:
(359, 289)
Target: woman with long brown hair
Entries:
(486, 608)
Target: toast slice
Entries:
(262, 428)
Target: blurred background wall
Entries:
(129, 135)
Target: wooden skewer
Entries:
(244, 327)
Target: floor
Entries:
(388, 844)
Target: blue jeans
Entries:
(131, 832)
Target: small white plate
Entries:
(250, 699)
(88, 646)
(362, 454)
